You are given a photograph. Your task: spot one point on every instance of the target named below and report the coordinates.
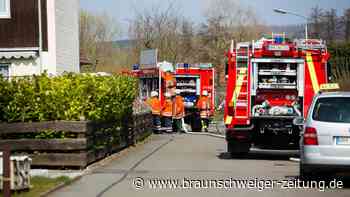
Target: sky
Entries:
(124, 10)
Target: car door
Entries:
(331, 119)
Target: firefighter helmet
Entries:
(154, 94)
(205, 93)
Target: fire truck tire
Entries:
(238, 149)
(196, 124)
(196, 128)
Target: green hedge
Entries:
(69, 97)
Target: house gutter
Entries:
(40, 37)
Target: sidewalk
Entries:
(96, 181)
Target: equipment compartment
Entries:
(277, 90)
(277, 76)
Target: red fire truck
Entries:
(191, 80)
(270, 82)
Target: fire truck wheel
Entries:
(238, 149)
(196, 124)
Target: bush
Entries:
(69, 97)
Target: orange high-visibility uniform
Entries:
(203, 105)
(167, 108)
(170, 83)
(179, 110)
(155, 105)
(169, 80)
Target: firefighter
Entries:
(179, 112)
(170, 83)
(203, 105)
(167, 112)
(154, 104)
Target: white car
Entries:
(325, 140)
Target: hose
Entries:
(295, 107)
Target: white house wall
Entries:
(67, 35)
(63, 43)
(49, 58)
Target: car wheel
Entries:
(304, 173)
(238, 149)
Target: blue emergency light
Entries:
(279, 39)
(136, 67)
(186, 66)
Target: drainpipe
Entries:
(40, 37)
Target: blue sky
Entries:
(123, 10)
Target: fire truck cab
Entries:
(270, 82)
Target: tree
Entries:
(165, 30)
(180, 40)
(316, 22)
(346, 19)
(226, 20)
(96, 33)
(330, 19)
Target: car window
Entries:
(333, 109)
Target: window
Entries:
(333, 109)
(5, 9)
(4, 70)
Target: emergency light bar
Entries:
(188, 66)
(278, 48)
(311, 44)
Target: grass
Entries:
(40, 185)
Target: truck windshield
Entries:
(336, 109)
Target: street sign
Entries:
(148, 58)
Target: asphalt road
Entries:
(196, 158)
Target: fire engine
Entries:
(270, 82)
(191, 80)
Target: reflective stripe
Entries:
(156, 112)
(228, 120)
(238, 87)
(167, 114)
(312, 71)
(205, 113)
(242, 75)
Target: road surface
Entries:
(192, 161)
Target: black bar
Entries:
(6, 179)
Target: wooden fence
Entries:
(91, 141)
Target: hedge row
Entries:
(70, 97)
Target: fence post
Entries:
(131, 129)
(6, 178)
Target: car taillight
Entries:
(310, 136)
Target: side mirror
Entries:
(299, 121)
